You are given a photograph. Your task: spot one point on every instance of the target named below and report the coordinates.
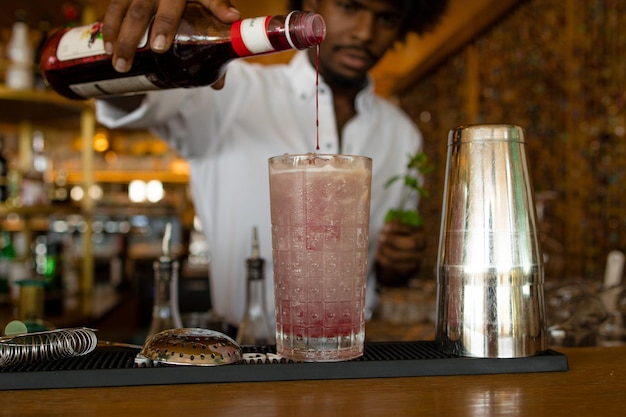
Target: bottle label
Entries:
(115, 86)
(249, 36)
(85, 41)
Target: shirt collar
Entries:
(302, 76)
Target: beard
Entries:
(347, 78)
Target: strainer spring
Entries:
(47, 345)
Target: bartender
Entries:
(228, 131)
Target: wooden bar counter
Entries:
(594, 386)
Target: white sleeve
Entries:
(189, 119)
(171, 115)
(154, 109)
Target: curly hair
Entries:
(418, 16)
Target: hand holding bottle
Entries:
(126, 21)
(76, 64)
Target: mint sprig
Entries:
(417, 166)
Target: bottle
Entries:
(76, 66)
(4, 173)
(46, 268)
(165, 312)
(255, 328)
(35, 181)
(44, 31)
(7, 256)
(20, 53)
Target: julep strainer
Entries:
(189, 346)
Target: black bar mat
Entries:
(114, 366)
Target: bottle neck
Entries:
(165, 283)
(255, 295)
(165, 313)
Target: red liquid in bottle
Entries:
(75, 64)
(184, 65)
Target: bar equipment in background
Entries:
(612, 331)
(47, 268)
(165, 312)
(20, 74)
(490, 277)
(320, 209)
(7, 255)
(31, 305)
(255, 328)
(4, 173)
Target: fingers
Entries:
(165, 24)
(112, 22)
(400, 247)
(168, 16)
(126, 22)
(398, 260)
(222, 9)
(401, 237)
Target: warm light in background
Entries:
(76, 193)
(154, 191)
(96, 192)
(140, 191)
(179, 166)
(110, 157)
(100, 142)
(137, 191)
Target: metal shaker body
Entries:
(490, 275)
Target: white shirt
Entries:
(228, 136)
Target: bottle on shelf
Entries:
(7, 256)
(34, 287)
(35, 182)
(44, 31)
(31, 307)
(4, 173)
(165, 311)
(47, 268)
(19, 75)
(255, 328)
(75, 64)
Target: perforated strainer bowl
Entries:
(189, 346)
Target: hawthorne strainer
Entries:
(46, 345)
(189, 346)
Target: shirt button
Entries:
(329, 145)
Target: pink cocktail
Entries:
(320, 207)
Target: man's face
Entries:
(358, 33)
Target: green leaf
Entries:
(408, 217)
(392, 180)
(416, 167)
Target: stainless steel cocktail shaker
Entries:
(490, 279)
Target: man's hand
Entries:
(126, 21)
(399, 253)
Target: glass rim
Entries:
(325, 156)
(488, 132)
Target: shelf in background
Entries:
(125, 177)
(39, 107)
